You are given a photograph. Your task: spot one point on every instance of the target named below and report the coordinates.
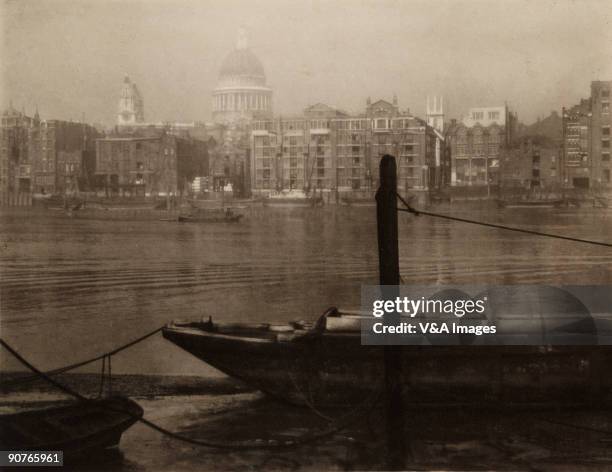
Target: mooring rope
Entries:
(44, 376)
(414, 211)
(61, 370)
(351, 417)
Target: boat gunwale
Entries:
(189, 331)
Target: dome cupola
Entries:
(241, 90)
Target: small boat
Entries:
(325, 364)
(528, 203)
(293, 198)
(210, 215)
(76, 427)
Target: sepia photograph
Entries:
(306, 235)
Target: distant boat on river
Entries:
(210, 215)
(530, 203)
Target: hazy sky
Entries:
(70, 56)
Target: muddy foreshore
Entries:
(220, 409)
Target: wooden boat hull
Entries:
(530, 203)
(76, 428)
(329, 369)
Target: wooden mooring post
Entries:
(388, 260)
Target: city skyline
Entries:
(533, 59)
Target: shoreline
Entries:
(222, 409)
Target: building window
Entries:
(605, 131)
(605, 108)
(494, 115)
(605, 93)
(606, 175)
(605, 143)
(605, 157)
(477, 115)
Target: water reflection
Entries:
(71, 288)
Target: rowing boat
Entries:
(76, 427)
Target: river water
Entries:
(72, 288)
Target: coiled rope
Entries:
(348, 419)
(414, 211)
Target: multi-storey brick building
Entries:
(530, 163)
(576, 145)
(586, 140)
(65, 161)
(331, 151)
(475, 145)
(45, 157)
(148, 163)
(19, 134)
(600, 134)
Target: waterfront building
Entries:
(586, 140)
(66, 157)
(19, 133)
(531, 163)
(475, 145)
(336, 153)
(148, 162)
(45, 156)
(576, 145)
(600, 135)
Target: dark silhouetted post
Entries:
(388, 260)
